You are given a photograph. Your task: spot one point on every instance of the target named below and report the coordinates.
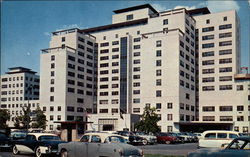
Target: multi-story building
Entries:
(19, 87)
(222, 98)
(68, 76)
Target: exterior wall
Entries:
(74, 77)
(218, 97)
(15, 93)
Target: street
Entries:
(171, 149)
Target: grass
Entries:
(160, 155)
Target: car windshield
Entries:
(49, 138)
(140, 133)
(240, 144)
(114, 139)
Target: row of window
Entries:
(221, 61)
(211, 45)
(221, 27)
(221, 52)
(221, 70)
(225, 118)
(223, 108)
(78, 100)
(222, 87)
(21, 78)
(19, 105)
(221, 35)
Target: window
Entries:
(207, 29)
(226, 87)
(136, 77)
(95, 139)
(136, 100)
(225, 43)
(225, 52)
(226, 108)
(51, 98)
(158, 105)
(221, 135)
(136, 110)
(170, 117)
(240, 118)
(227, 26)
(52, 58)
(208, 37)
(169, 105)
(51, 108)
(115, 43)
(158, 82)
(158, 72)
(165, 21)
(208, 118)
(158, 53)
(158, 93)
(225, 35)
(80, 100)
(71, 90)
(208, 45)
(208, 62)
(208, 88)
(137, 39)
(104, 51)
(114, 110)
(137, 46)
(225, 18)
(240, 108)
(137, 54)
(225, 69)
(104, 44)
(239, 87)
(136, 69)
(226, 118)
(207, 21)
(208, 79)
(225, 78)
(158, 43)
(158, 62)
(130, 17)
(207, 54)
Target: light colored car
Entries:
(149, 139)
(185, 136)
(198, 135)
(215, 138)
(239, 147)
(99, 144)
(38, 143)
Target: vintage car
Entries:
(38, 143)
(99, 144)
(215, 138)
(4, 141)
(132, 138)
(167, 138)
(150, 139)
(239, 147)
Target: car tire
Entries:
(144, 142)
(64, 153)
(15, 150)
(38, 152)
(167, 142)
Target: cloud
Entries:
(187, 7)
(218, 6)
(249, 2)
(68, 27)
(159, 7)
(46, 33)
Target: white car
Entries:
(215, 138)
(99, 144)
(149, 139)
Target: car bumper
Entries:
(47, 150)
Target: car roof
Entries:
(220, 131)
(102, 135)
(41, 134)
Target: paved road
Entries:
(171, 149)
(167, 149)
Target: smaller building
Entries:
(19, 87)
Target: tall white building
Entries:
(68, 77)
(19, 87)
(185, 63)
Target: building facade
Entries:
(68, 76)
(19, 88)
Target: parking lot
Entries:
(164, 149)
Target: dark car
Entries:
(38, 143)
(4, 141)
(132, 138)
(167, 138)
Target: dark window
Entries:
(208, 62)
(207, 29)
(81, 39)
(208, 88)
(165, 21)
(225, 52)
(130, 17)
(225, 43)
(80, 100)
(225, 35)
(226, 60)
(226, 108)
(226, 87)
(208, 108)
(240, 108)
(207, 54)
(208, 37)
(227, 26)
(137, 39)
(104, 44)
(226, 69)
(209, 45)
(225, 78)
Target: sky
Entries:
(26, 25)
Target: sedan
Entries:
(167, 138)
(99, 144)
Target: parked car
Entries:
(38, 143)
(167, 138)
(4, 141)
(18, 135)
(186, 137)
(239, 147)
(193, 137)
(132, 138)
(150, 139)
(214, 138)
(198, 135)
(99, 144)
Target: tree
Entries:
(40, 120)
(4, 116)
(148, 122)
(17, 122)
